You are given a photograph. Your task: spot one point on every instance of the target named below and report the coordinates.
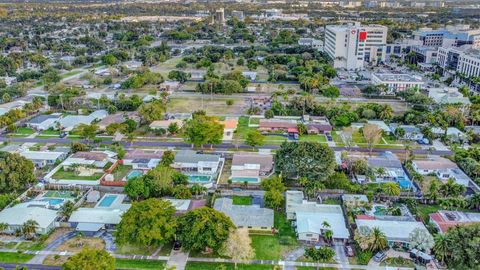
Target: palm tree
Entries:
(29, 228)
(474, 201)
(3, 227)
(391, 189)
(441, 247)
(378, 240)
(198, 189)
(67, 209)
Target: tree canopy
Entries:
(16, 172)
(90, 259)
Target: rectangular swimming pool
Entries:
(107, 201)
(198, 178)
(134, 173)
(245, 179)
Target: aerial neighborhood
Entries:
(244, 135)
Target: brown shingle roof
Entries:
(97, 156)
(265, 161)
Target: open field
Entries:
(211, 106)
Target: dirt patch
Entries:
(74, 245)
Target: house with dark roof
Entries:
(44, 121)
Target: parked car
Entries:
(349, 251)
(177, 245)
(63, 135)
(380, 256)
(329, 138)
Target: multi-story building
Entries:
(220, 16)
(238, 14)
(351, 45)
(464, 60)
(397, 82)
(457, 35)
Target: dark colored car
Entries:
(349, 251)
(177, 245)
(329, 138)
(380, 256)
(63, 135)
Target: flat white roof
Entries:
(98, 215)
(311, 222)
(20, 213)
(41, 155)
(393, 230)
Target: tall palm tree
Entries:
(474, 201)
(67, 209)
(29, 228)
(441, 247)
(391, 189)
(378, 240)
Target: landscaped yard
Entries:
(242, 200)
(139, 264)
(313, 138)
(15, 257)
(397, 262)
(25, 131)
(212, 266)
(135, 250)
(72, 175)
(121, 171)
(242, 128)
(50, 133)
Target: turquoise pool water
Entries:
(53, 201)
(404, 183)
(379, 210)
(244, 179)
(134, 173)
(198, 178)
(107, 200)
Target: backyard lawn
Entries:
(242, 128)
(139, 264)
(242, 200)
(72, 175)
(15, 257)
(121, 171)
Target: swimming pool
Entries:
(107, 201)
(404, 183)
(134, 173)
(379, 210)
(245, 179)
(198, 178)
(53, 201)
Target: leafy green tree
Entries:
(136, 188)
(90, 259)
(178, 75)
(150, 222)
(204, 229)
(254, 138)
(274, 189)
(322, 254)
(16, 172)
(167, 158)
(89, 132)
(391, 189)
(67, 209)
(109, 60)
(203, 130)
(173, 128)
(312, 160)
(152, 111)
(459, 247)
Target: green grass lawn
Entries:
(71, 175)
(313, 138)
(135, 250)
(25, 131)
(213, 266)
(70, 73)
(254, 120)
(139, 264)
(15, 257)
(242, 128)
(121, 171)
(242, 200)
(50, 132)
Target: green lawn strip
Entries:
(129, 249)
(50, 132)
(229, 266)
(267, 247)
(242, 200)
(70, 73)
(15, 257)
(24, 131)
(255, 120)
(242, 128)
(71, 175)
(313, 138)
(139, 264)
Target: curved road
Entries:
(221, 147)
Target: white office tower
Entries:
(351, 45)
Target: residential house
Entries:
(251, 164)
(69, 122)
(252, 217)
(117, 118)
(396, 231)
(140, 159)
(443, 168)
(164, 124)
(229, 127)
(310, 217)
(444, 220)
(106, 214)
(272, 125)
(354, 200)
(44, 122)
(189, 161)
(317, 125)
(452, 133)
(94, 159)
(412, 133)
(387, 167)
(17, 215)
(251, 75)
(43, 158)
(197, 75)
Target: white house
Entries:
(17, 215)
(192, 162)
(69, 122)
(43, 158)
(443, 168)
(397, 82)
(43, 122)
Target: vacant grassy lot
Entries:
(213, 106)
(242, 200)
(313, 138)
(72, 175)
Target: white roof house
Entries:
(395, 231)
(246, 216)
(310, 222)
(69, 122)
(17, 215)
(451, 132)
(42, 158)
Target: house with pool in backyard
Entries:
(251, 167)
(82, 168)
(200, 168)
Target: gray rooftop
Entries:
(41, 118)
(188, 156)
(245, 215)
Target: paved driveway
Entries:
(340, 255)
(39, 258)
(178, 259)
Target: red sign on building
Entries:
(362, 36)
